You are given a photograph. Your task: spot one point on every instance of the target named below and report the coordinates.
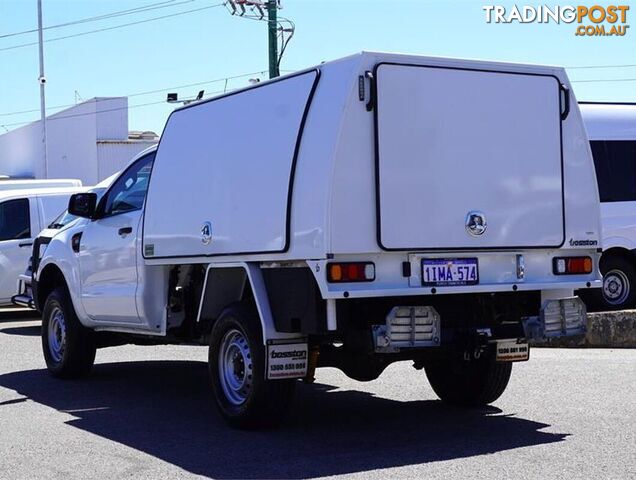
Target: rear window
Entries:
(615, 163)
(15, 221)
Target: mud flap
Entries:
(287, 360)
(512, 350)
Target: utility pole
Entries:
(272, 29)
(277, 27)
(42, 81)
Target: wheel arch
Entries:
(228, 283)
(51, 275)
(614, 252)
(49, 278)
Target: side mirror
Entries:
(83, 205)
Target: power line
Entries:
(72, 115)
(105, 16)
(605, 80)
(138, 105)
(22, 45)
(147, 92)
(600, 66)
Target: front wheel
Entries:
(68, 346)
(245, 398)
(469, 384)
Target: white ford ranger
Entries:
(23, 295)
(376, 208)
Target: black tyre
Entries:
(469, 384)
(237, 357)
(619, 283)
(68, 346)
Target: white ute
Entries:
(376, 208)
(23, 296)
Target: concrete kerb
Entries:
(604, 330)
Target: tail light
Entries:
(571, 265)
(350, 272)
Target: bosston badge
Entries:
(475, 223)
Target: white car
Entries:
(388, 207)
(611, 128)
(9, 183)
(23, 213)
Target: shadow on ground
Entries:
(27, 330)
(166, 410)
(15, 314)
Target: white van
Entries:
(28, 183)
(611, 128)
(379, 208)
(23, 213)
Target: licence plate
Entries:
(449, 271)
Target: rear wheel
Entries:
(470, 384)
(245, 398)
(619, 283)
(68, 346)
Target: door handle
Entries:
(125, 231)
(25, 244)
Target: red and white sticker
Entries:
(287, 360)
(511, 351)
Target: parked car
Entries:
(381, 211)
(23, 213)
(611, 128)
(23, 294)
(8, 183)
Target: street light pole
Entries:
(42, 81)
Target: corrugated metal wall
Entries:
(113, 156)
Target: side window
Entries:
(15, 220)
(129, 191)
(615, 163)
(603, 177)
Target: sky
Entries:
(209, 44)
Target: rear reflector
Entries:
(350, 272)
(571, 265)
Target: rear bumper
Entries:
(336, 292)
(401, 274)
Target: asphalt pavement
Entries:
(147, 412)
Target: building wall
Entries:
(19, 150)
(114, 156)
(71, 144)
(79, 139)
